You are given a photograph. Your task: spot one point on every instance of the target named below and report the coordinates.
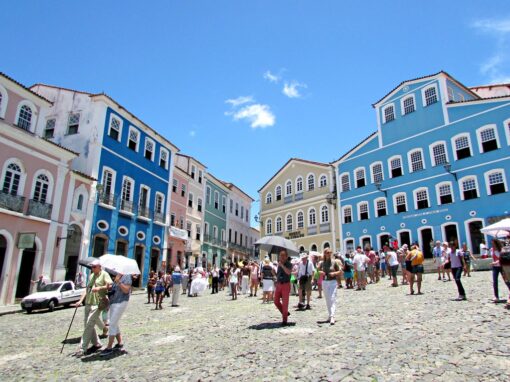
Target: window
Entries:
(300, 220)
(269, 227)
(159, 203)
(149, 149)
(73, 123)
(242, 212)
(79, 203)
(299, 184)
(462, 146)
(199, 205)
(400, 203)
(237, 209)
(389, 113)
(396, 166)
(278, 192)
(469, 188)
(408, 105)
(323, 181)
(217, 201)
(380, 207)
(363, 211)
(190, 200)
(288, 220)
(269, 198)
(247, 214)
(495, 181)
(208, 195)
(377, 173)
(311, 182)
(181, 222)
(127, 194)
(430, 95)
(346, 184)
(25, 117)
(422, 199)
(360, 178)
(312, 219)
(172, 219)
(416, 161)
(215, 232)
(347, 215)
(438, 152)
(451, 96)
(324, 214)
(12, 179)
(107, 182)
(41, 188)
(188, 228)
(143, 201)
(288, 188)
(163, 158)
(114, 129)
(200, 176)
(278, 224)
(175, 184)
(183, 190)
(193, 171)
(444, 192)
(49, 129)
(223, 204)
(488, 140)
(134, 139)
(198, 230)
(231, 206)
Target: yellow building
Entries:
(299, 203)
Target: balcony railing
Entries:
(312, 230)
(42, 210)
(108, 199)
(298, 196)
(240, 248)
(159, 217)
(11, 202)
(126, 206)
(144, 212)
(325, 227)
(287, 199)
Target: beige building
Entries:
(299, 203)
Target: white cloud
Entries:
(258, 115)
(491, 25)
(271, 77)
(192, 133)
(240, 100)
(290, 89)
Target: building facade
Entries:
(299, 203)
(43, 203)
(214, 247)
(133, 165)
(435, 169)
(179, 241)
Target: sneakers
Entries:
(94, 349)
(308, 307)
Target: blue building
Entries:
(435, 169)
(133, 166)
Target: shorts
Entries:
(417, 269)
(383, 266)
(403, 265)
(448, 265)
(394, 269)
(361, 275)
(370, 268)
(409, 265)
(308, 285)
(438, 262)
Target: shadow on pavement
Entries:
(269, 325)
(75, 340)
(96, 357)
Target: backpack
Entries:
(347, 267)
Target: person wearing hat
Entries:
(96, 301)
(437, 253)
(304, 276)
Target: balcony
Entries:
(41, 210)
(107, 199)
(159, 217)
(325, 228)
(12, 202)
(287, 199)
(144, 213)
(239, 248)
(312, 230)
(298, 197)
(126, 206)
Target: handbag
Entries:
(104, 303)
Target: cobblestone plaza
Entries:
(382, 334)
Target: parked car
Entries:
(53, 294)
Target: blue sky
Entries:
(245, 85)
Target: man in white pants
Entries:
(330, 269)
(176, 285)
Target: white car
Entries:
(52, 295)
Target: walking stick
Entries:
(68, 330)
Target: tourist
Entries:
(458, 264)
(215, 274)
(168, 283)
(304, 275)
(468, 257)
(437, 254)
(416, 268)
(282, 292)
(392, 261)
(96, 300)
(447, 261)
(268, 276)
(120, 292)
(151, 283)
(221, 278)
(348, 272)
(40, 282)
(293, 276)
(330, 270)
(497, 269)
(233, 279)
(176, 285)
(377, 269)
(185, 281)
(406, 271)
(79, 281)
(245, 281)
(369, 252)
(360, 262)
(160, 289)
(504, 260)
(484, 250)
(382, 262)
(254, 279)
(199, 283)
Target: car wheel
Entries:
(51, 305)
(29, 310)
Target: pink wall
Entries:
(178, 207)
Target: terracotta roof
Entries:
(24, 87)
(84, 175)
(286, 163)
(477, 100)
(62, 147)
(355, 147)
(189, 156)
(490, 86)
(231, 185)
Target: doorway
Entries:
(366, 242)
(72, 253)
(426, 238)
(26, 271)
(404, 238)
(3, 252)
(384, 240)
(451, 235)
(349, 246)
(154, 259)
(475, 235)
(139, 258)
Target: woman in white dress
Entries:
(268, 276)
(199, 283)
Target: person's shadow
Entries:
(270, 325)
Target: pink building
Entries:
(178, 237)
(44, 205)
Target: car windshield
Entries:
(51, 287)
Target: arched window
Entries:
(300, 219)
(360, 177)
(313, 248)
(278, 192)
(312, 218)
(429, 95)
(395, 165)
(495, 181)
(269, 227)
(438, 153)
(346, 184)
(421, 198)
(79, 205)
(288, 220)
(41, 188)
(269, 198)
(377, 172)
(487, 138)
(462, 146)
(400, 203)
(325, 245)
(323, 181)
(408, 105)
(324, 214)
(363, 211)
(12, 179)
(416, 160)
(444, 193)
(380, 207)
(469, 188)
(311, 182)
(299, 184)
(388, 113)
(288, 188)
(278, 224)
(347, 212)
(25, 117)
(127, 194)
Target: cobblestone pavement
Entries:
(382, 334)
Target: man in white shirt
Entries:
(360, 262)
(304, 276)
(392, 260)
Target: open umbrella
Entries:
(270, 243)
(120, 264)
(86, 261)
(499, 229)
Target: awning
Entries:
(178, 233)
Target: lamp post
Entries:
(70, 232)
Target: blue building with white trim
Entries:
(435, 169)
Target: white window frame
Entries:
(287, 184)
(415, 199)
(278, 187)
(269, 198)
(383, 110)
(33, 120)
(4, 102)
(358, 207)
(132, 128)
(490, 172)
(77, 112)
(395, 202)
(289, 215)
(376, 213)
(315, 217)
(410, 164)
(114, 178)
(403, 99)
(208, 196)
(133, 184)
(438, 194)
(162, 196)
(49, 193)
(308, 183)
(423, 98)
(479, 135)
(298, 179)
(22, 178)
(461, 189)
(372, 170)
(153, 154)
(454, 147)
(148, 201)
(269, 224)
(121, 124)
(433, 157)
(450, 93)
(344, 208)
(297, 219)
(161, 151)
(191, 198)
(276, 220)
(348, 181)
(327, 211)
(356, 176)
(323, 176)
(216, 199)
(401, 165)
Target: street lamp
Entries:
(378, 185)
(448, 168)
(70, 232)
